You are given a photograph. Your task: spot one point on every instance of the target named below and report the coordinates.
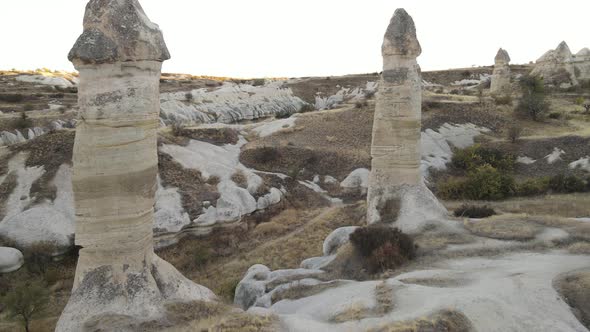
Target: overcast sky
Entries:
(279, 38)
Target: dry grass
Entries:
(579, 248)
(50, 151)
(430, 241)
(217, 136)
(353, 312)
(566, 205)
(329, 142)
(240, 179)
(447, 320)
(300, 291)
(300, 235)
(6, 188)
(574, 288)
(193, 189)
(503, 228)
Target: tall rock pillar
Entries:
(501, 75)
(396, 189)
(119, 57)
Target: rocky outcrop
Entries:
(119, 57)
(501, 75)
(10, 260)
(561, 68)
(396, 187)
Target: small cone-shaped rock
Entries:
(396, 189)
(119, 57)
(501, 75)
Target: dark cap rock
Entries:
(118, 31)
(502, 56)
(400, 37)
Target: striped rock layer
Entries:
(395, 177)
(119, 57)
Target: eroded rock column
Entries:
(501, 75)
(119, 57)
(396, 189)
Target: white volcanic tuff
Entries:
(229, 103)
(554, 156)
(252, 289)
(436, 145)
(525, 160)
(272, 127)
(483, 78)
(45, 80)
(345, 95)
(359, 178)
(10, 259)
(511, 293)
(223, 162)
(560, 66)
(582, 163)
(10, 138)
(49, 221)
(169, 215)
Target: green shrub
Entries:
(532, 103)
(473, 211)
(383, 247)
(188, 96)
(26, 302)
(554, 115)
(567, 184)
(24, 121)
(476, 156)
(514, 133)
(579, 101)
(487, 183)
(483, 183)
(533, 187)
(258, 82)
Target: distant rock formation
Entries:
(563, 69)
(501, 75)
(396, 188)
(119, 57)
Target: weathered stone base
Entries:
(409, 207)
(139, 298)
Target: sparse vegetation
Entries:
(474, 211)
(503, 100)
(476, 156)
(384, 247)
(24, 121)
(532, 104)
(240, 179)
(514, 133)
(26, 302)
(482, 183)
